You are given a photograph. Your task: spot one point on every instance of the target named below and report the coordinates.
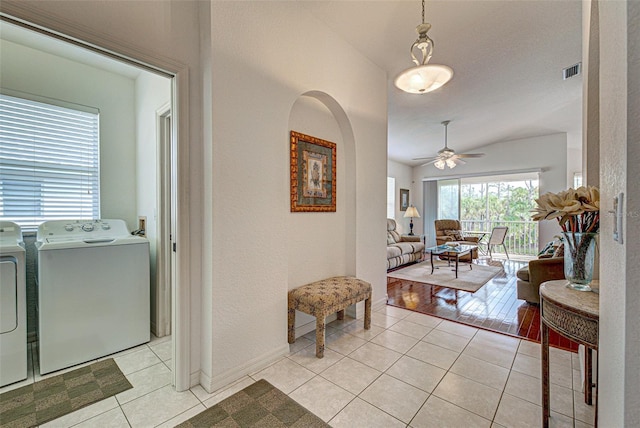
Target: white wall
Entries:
(404, 180)
(256, 89)
(36, 72)
(619, 347)
(548, 153)
(151, 93)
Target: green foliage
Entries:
(487, 205)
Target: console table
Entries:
(574, 315)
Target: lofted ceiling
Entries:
(507, 57)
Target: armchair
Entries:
(451, 231)
(537, 272)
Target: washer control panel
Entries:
(67, 230)
(10, 233)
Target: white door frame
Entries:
(165, 268)
(28, 16)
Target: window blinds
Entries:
(49, 162)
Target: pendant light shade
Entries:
(423, 77)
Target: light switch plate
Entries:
(618, 203)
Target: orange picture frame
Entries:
(313, 174)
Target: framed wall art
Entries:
(313, 174)
(404, 199)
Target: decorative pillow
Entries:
(455, 234)
(548, 250)
(559, 252)
(390, 239)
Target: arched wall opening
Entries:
(323, 244)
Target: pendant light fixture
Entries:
(423, 77)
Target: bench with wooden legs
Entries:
(326, 297)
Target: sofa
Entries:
(451, 231)
(401, 249)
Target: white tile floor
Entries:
(409, 370)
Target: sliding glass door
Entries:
(505, 200)
(482, 203)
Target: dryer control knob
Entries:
(87, 227)
(68, 228)
(105, 226)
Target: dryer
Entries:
(13, 305)
(93, 291)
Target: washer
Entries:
(93, 291)
(13, 305)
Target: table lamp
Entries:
(411, 212)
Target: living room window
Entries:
(449, 199)
(49, 160)
(391, 197)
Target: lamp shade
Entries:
(412, 212)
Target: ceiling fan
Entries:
(446, 156)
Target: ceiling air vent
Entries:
(569, 72)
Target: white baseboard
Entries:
(196, 378)
(251, 366)
(357, 310)
(379, 304)
(258, 363)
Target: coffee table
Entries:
(452, 253)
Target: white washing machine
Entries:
(93, 291)
(13, 305)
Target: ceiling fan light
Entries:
(439, 164)
(451, 163)
(423, 78)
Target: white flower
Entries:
(576, 210)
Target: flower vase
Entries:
(579, 253)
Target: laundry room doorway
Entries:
(150, 169)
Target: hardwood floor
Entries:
(493, 307)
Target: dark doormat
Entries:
(258, 405)
(48, 399)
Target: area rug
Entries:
(470, 280)
(48, 399)
(258, 405)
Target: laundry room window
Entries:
(49, 161)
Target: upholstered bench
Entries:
(326, 297)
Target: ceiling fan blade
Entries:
(458, 160)
(427, 158)
(430, 162)
(470, 155)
